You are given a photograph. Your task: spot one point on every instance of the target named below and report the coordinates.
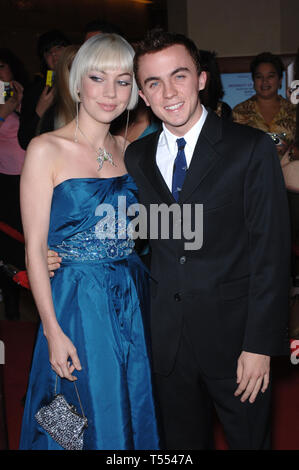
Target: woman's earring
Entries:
(77, 121)
(127, 123)
(126, 130)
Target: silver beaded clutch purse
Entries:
(62, 421)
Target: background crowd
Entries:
(44, 104)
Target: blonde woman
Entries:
(93, 312)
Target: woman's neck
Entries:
(268, 108)
(96, 132)
(268, 102)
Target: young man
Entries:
(219, 311)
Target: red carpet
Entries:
(19, 337)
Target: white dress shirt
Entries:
(167, 148)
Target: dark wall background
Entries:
(22, 21)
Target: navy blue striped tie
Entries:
(179, 169)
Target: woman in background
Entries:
(290, 170)
(267, 110)
(12, 156)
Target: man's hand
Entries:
(53, 262)
(253, 374)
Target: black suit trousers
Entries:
(187, 400)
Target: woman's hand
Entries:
(63, 355)
(45, 100)
(14, 102)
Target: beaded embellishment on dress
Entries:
(87, 246)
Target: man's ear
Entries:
(202, 81)
(141, 94)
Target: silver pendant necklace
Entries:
(101, 153)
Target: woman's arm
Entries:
(290, 168)
(36, 195)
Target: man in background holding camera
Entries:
(38, 97)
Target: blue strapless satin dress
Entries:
(101, 300)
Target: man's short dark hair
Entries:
(51, 39)
(267, 58)
(157, 40)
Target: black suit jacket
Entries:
(232, 293)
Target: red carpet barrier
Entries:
(20, 277)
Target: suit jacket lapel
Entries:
(203, 160)
(151, 171)
(204, 157)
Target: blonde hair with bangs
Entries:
(103, 52)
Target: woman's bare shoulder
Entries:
(44, 156)
(42, 143)
(49, 145)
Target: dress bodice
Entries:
(89, 218)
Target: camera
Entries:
(6, 91)
(50, 78)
